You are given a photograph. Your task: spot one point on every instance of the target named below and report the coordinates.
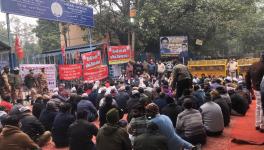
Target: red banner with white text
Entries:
(70, 72)
(95, 74)
(119, 54)
(91, 59)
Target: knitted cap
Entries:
(153, 108)
(112, 116)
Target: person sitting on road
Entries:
(212, 117)
(190, 124)
(12, 138)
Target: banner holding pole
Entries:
(95, 74)
(119, 54)
(63, 54)
(70, 72)
(92, 59)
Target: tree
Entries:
(220, 24)
(225, 26)
(48, 34)
(3, 33)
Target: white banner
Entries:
(50, 71)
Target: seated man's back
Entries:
(12, 138)
(151, 140)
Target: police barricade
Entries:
(244, 64)
(215, 68)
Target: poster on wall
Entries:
(50, 71)
(119, 54)
(91, 59)
(70, 72)
(95, 74)
(173, 46)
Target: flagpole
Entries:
(90, 37)
(11, 54)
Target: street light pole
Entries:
(132, 14)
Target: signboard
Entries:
(92, 59)
(3, 64)
(50, 71)
(119, 54)
(70, 72)
(199, 42)
(56, 10)
(95, 74)
(173, 46)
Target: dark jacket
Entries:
(138, 68)
(225, 109)
(99, 97)
(47, 118)
(161, 102)
(239, 104)
(102, 113)
(172, 110)
(121, 100)
(200, 97)
(30, 81)
(93, 97)
(31, 126)
(195, 101)
(151, 141)
(15, 109)
(152, 68)
(254, 75)
(133, 102)
(38, 106)
(12, 138)
(86, 105)
(81, 133)
(60, 127)
(112, 137)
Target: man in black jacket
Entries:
(172, 110)
(33, 127)
(81, 133)
(151, 140)
(253, 80)
(61, 125)
(122, 98)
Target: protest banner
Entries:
(173, 46)
(70, 72)
(119, 54)
(92, 59)
(95, 74)
(50, 71)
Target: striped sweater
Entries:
(190, 122)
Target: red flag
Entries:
(19, 50)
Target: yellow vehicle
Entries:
(244, 64)
(215, 68)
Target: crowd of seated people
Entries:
(140, 113)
